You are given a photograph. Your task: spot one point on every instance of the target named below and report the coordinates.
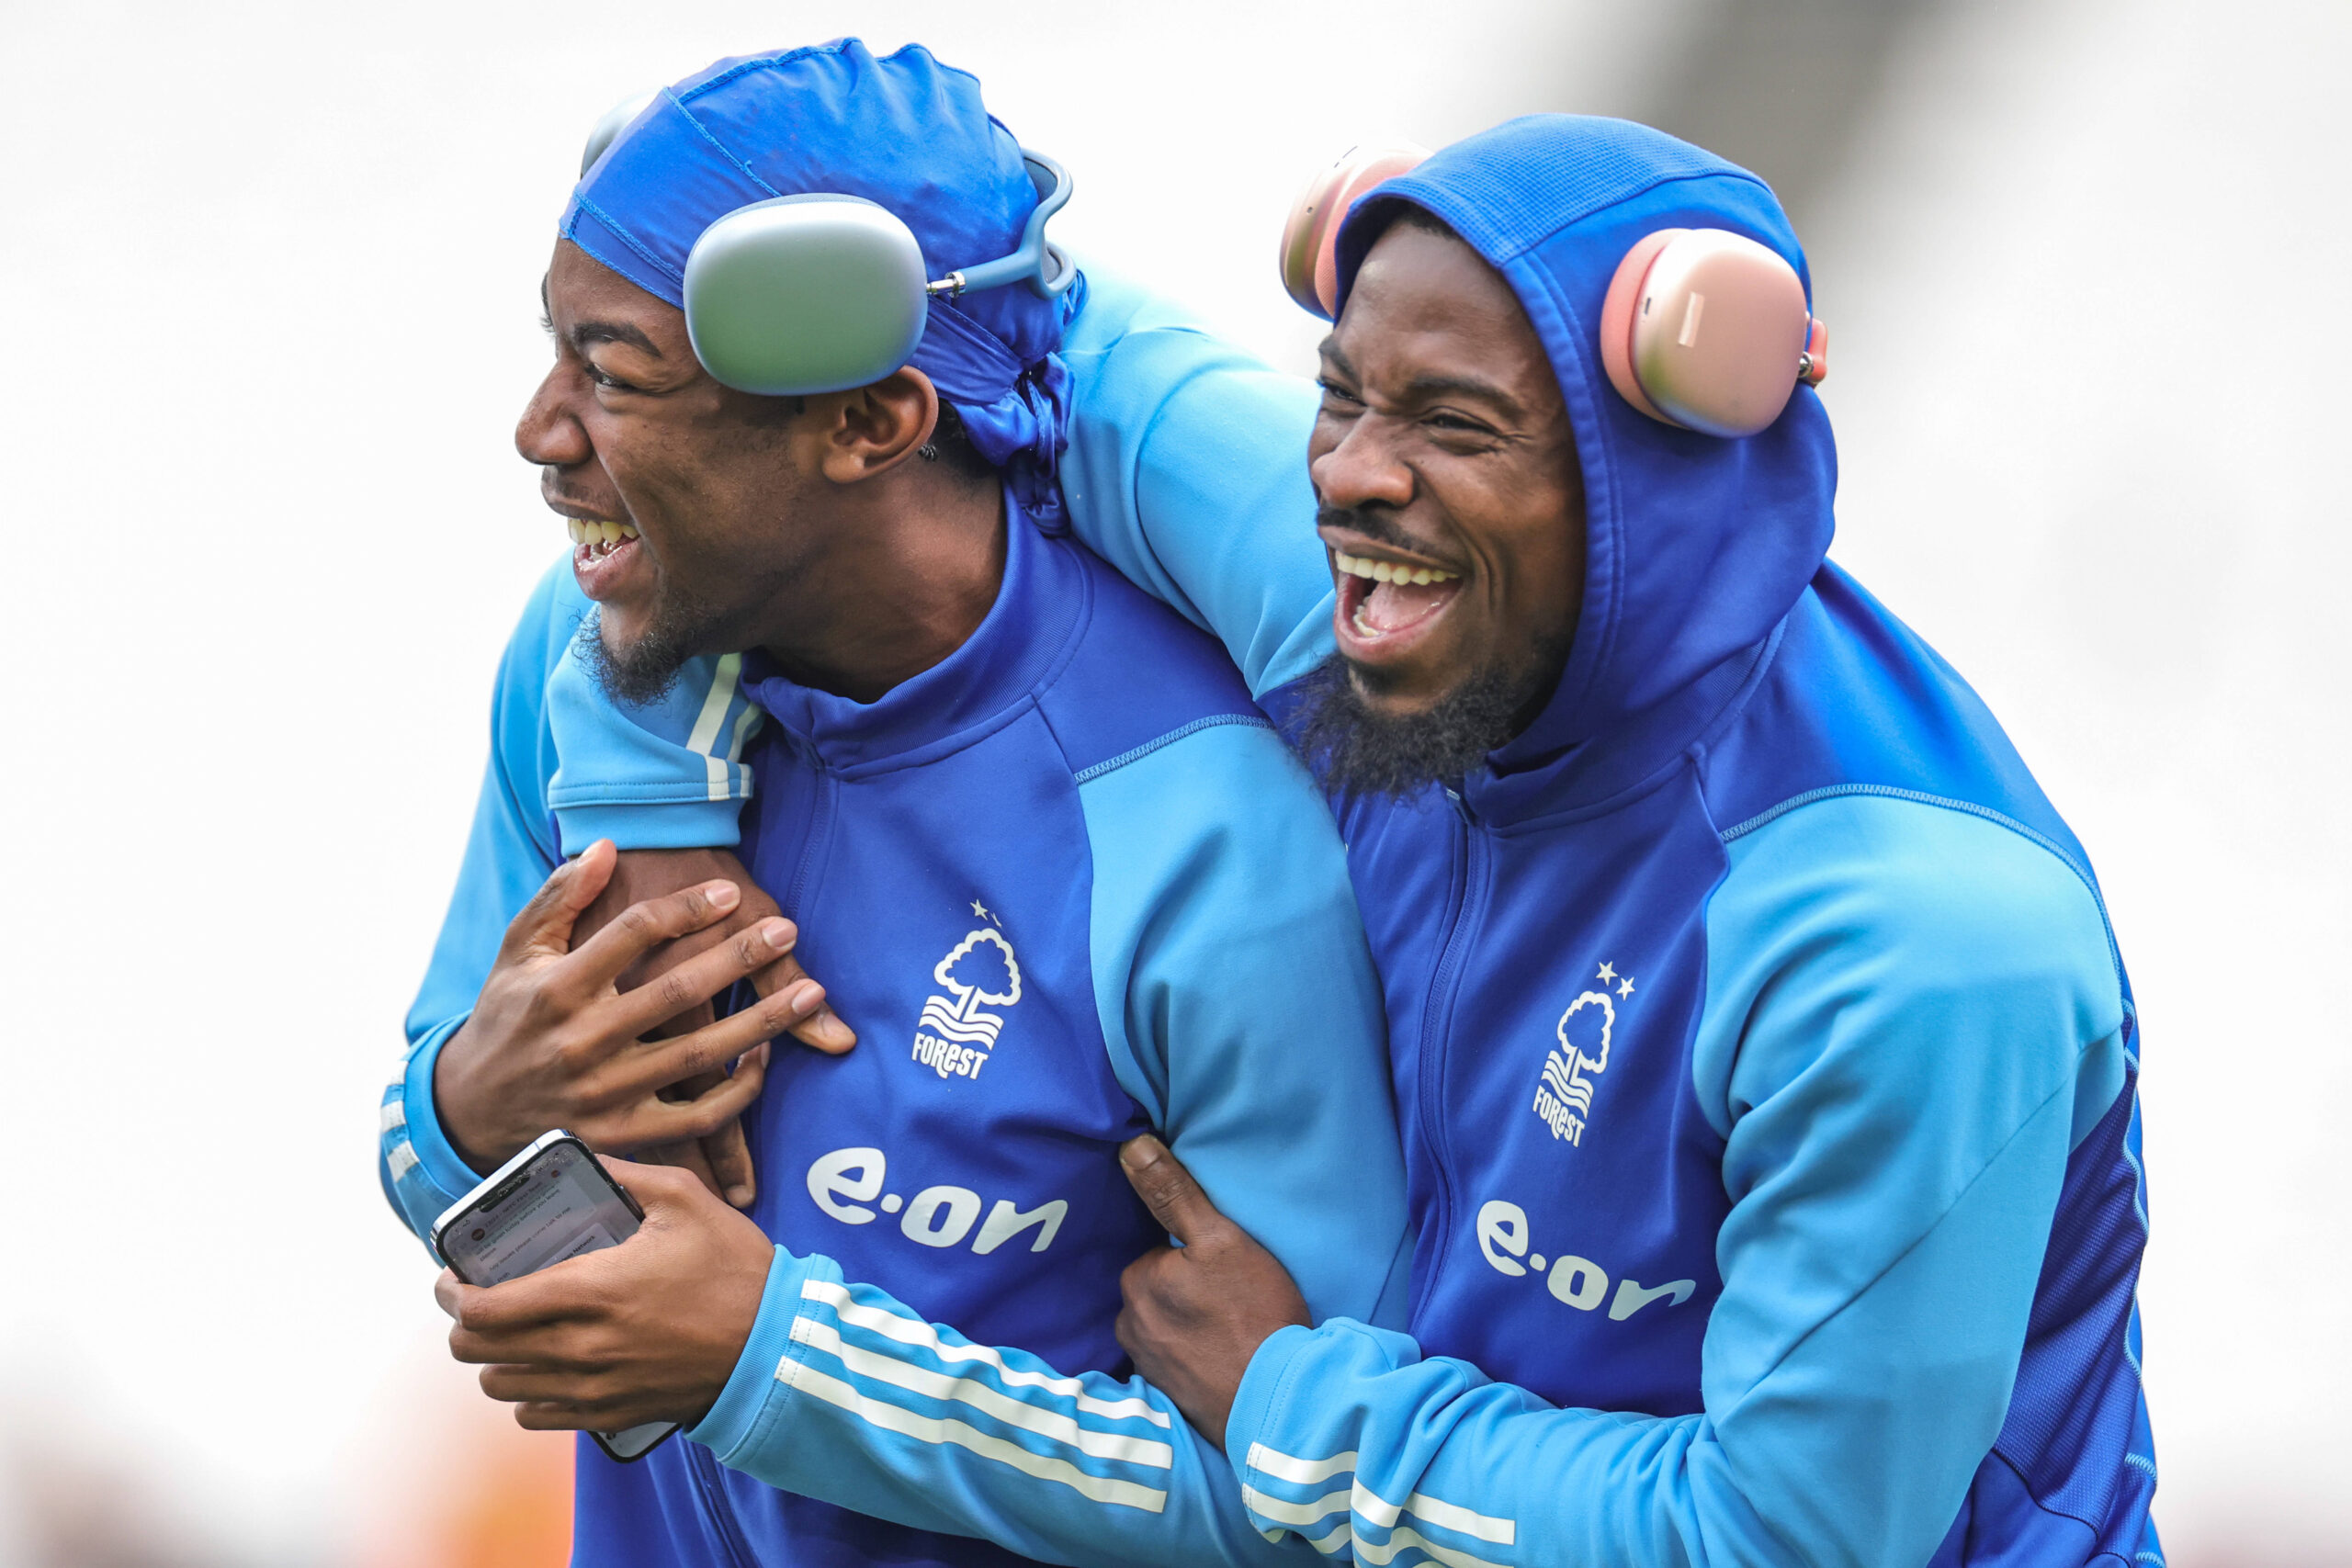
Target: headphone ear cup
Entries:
(805, 294)
(1309, 259)
(1617, 319)
(1707, 330)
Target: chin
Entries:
(1394, 692)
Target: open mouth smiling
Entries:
(602, 553)
(1385, 603)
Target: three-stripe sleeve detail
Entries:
(1325, 1501)
(894, 1371)
(391, 1124)
(710, 723)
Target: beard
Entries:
(647, 670)
(1357, 751)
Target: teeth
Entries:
(1390, 571)
(597, 535)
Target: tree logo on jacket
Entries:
(1571, 1070)
(956, 1031)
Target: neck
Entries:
(909, 583)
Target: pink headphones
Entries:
(1701, 327)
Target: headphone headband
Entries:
(822, 291)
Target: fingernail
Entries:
(740, 1196)
(806, 996)
(778, 933)
(722, 894)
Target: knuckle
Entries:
(675, 992)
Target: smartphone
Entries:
(552, 1201)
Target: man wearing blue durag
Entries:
(1766, 1069)
(1055, 867)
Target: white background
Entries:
(268, 279)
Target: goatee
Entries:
(647, 670)
(1357, 751)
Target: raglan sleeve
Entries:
(1909, 1025)
(1187, 471)
(1241, 1009)
(509, 852)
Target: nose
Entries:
(1363, 468)
(549, 434)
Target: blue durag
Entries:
(903, 131)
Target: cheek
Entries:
(1540, 560)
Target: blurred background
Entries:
(269, 276)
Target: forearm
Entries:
(421, 1172)
(509, 851)
(665, 775)
(845, 1396)
(1187, 471)
(1855, 1448)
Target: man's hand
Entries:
(650, 1330)
(1195, 1314)
(554, 1043)
(722, 1158)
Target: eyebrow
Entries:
(582, 334)
(1424, 388)
(586, 332)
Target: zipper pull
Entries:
(1461, 806)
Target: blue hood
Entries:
(1696, 546)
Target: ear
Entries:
(876, 428)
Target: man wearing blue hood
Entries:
(1052, 862)
(1767, 1068)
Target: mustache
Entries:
(1373, 523)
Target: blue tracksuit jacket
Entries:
(1765, 1063)
(1068, 885)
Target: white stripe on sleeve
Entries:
(1046, 1424)
(930, 1429)
(1382, 1553)
(922, 1336)
(1300, 1472)
(715, 704)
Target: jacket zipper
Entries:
(812, 847)
(1437, 1019)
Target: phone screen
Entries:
(559, 1204)
(548, 1203)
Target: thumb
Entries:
(1167, 1189)
(546, 924)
